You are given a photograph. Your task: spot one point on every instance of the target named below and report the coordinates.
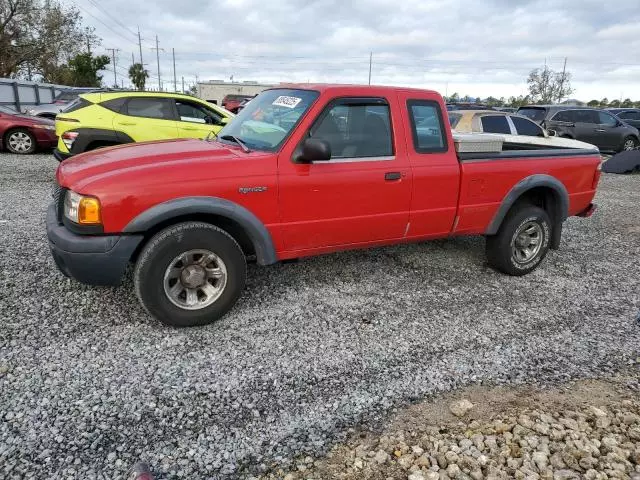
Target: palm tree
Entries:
(138, 75)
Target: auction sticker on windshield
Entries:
(284, 101)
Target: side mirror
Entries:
(315, 150)
(224, 120)
(552, 133)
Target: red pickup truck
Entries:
(305, 170)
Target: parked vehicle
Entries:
(287, 179)
(598, 127)
(25, 134)
(101, 119)
(64, 98)
(232, 102)
(516, 129)
(506, 109)
(243, 104)
(630, 116)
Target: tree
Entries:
(37, 36)
(604, 102)
(593, 103)
(627, 103)
(478, 100)
(454, 98)
(548, 86)
(614, 104)
(519, 101)
(138, 75)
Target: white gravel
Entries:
(89, 383)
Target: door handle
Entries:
(600, 130)
(127, 123)
(392, 176)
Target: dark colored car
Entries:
(597, 127)
(630, 116)
(23, 133)
(231, 102)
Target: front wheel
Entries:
(190, 274)
(522, 241)
(629, 143)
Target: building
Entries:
(215, 90)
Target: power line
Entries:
(103, 23)
(124, 27)
(157, 49)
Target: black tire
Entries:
(501, 248)
(629, 143)
(162, 250)
(26, 136)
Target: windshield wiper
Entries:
(211, 136)
(243, 145)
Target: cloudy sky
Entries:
(474, 47)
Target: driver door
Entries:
(195, 120)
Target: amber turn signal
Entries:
(89, 211)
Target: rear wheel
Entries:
(190, 274)
(629, 143)
(522, 241)
(20, 141)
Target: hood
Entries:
(131, 158)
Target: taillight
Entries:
(596, 176)
(68, 138)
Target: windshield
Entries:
(269, 118)
(535, 114)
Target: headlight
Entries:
(81, 209)
(46, 127)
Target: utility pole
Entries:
(133, 59)
(182, 84)
(564, 72)
(175, 82)
(113, 56)
(157, 49)
(140, 46)
(370, 62)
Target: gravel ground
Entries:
(89, 383)
(586, 429)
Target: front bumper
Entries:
(93, 260)
(60, 156)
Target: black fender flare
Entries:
(533, 181)
(88, 135)
(179, 207)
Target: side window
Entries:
(115, 105)
(606, 119)
(495, 124)
(525, 126)
(586, 116)
(356, 129)
(195, 113)
(427, 125)
(562, 117)
(150, 108)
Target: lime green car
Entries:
(105, 118)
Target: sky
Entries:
(472, 47)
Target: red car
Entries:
(306, 170)
(231, 102)
(25, 134)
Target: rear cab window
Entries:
(427, 125)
